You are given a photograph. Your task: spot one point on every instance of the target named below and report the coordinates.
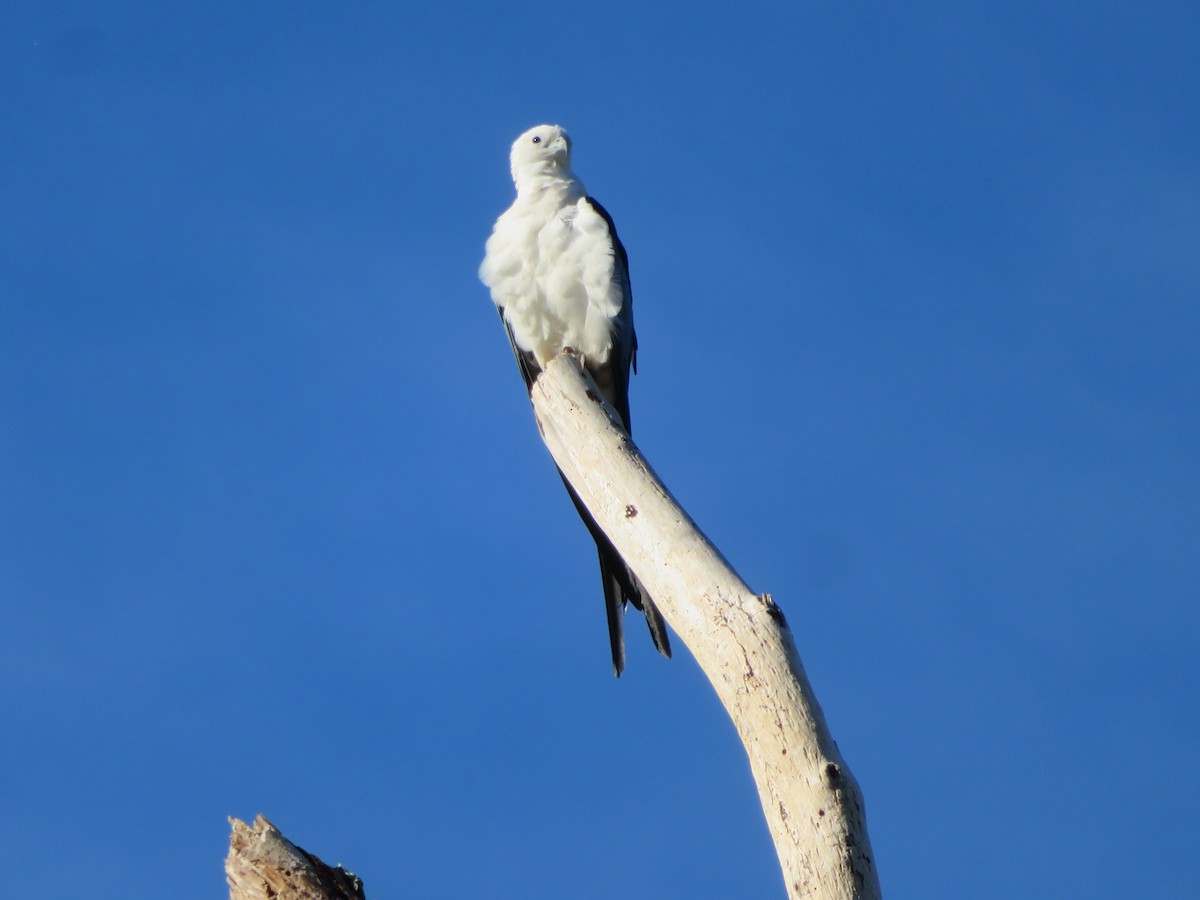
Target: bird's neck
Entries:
(544, 182)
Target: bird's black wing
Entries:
(621, 585)
(613, 376)
(530, 370)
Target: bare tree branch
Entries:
(812, 803)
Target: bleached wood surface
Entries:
(264, 865)
(812, 803)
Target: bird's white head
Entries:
(544, 150)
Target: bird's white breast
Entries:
(550, 266)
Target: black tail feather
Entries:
(614, 607)
(657, 626)
(621, 586)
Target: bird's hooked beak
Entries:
(561, 146)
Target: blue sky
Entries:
(917, 297)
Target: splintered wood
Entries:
(264, 865)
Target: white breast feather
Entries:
(550, 265)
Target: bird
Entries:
(559, 277)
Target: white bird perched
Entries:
(560, 278)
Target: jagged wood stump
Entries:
(264, 865)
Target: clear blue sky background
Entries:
(918, 293)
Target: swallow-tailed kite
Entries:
(560, 278)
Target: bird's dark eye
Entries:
(537, 140)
